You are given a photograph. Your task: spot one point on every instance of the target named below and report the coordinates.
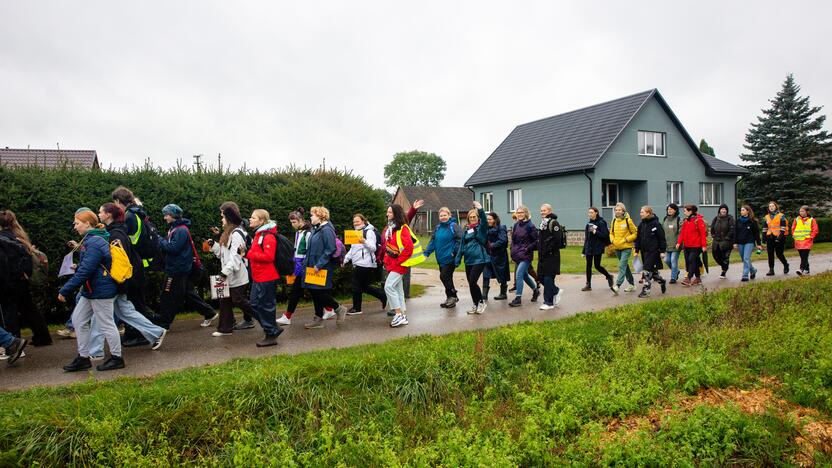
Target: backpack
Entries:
(40, 269)
(340, 251)
(148, 243)
(15, 261)
(379, 249)
(121, 269)
(284, 255)
(559, 235)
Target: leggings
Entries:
(595, 259)
(295, 293)
(473, 273)
(775, 248)
(804, 259)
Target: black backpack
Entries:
(559, 235)
(284, 257)
(148, 244)
(15, 261)
(379, 250)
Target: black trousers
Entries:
(295, 293)
(775, 249)
(804, 259)
(693, 261)
(473, 273)
(595, 260)
(446, 275)
(177, 293)
(237, 297)
(30, 315)
(722, 257)
(362, 279)
(406, 284)
(323, 298)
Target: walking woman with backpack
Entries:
(651, 245)
(722, 238)
(303, 229)
(747, 236)
(364, 262)
(775, 230)
(264, 275)
(622, 235)
(694, 237)
(475, 255)
(98, 292)
(496, 247)
(233, 270)
(804, 231)
(596, 240)
(402, 249)
(444, 242)
(523, 245)
(320, 256)
(551, 240)
(672, 225)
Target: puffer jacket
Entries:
(179, 253)
(523, 241)
(623, 232)
(497, 249)
(261, 254)
(445, 242)
(90, 276)
(650, 243)
(722, 230)
(474, 240)
(694, 234)
(232, 264)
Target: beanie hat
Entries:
(173, 210)
(82, 209)
(87, 216)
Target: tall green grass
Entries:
(530, 394)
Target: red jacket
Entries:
(261, 256)
(693, 234)
(392, 263)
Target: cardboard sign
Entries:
(290, 279)
(352, 236)
(219, 289)
(318, 279)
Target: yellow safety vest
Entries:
(134, 239)
(802, 231)
(418, 256)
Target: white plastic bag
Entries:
(638, 267)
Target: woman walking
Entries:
(524, 237)
(804, 231)
(303, 229)
(233, 270)
(651, 245)
(444, 242)
(319, 252)
(473, 253)
(775, 230)
(264, 275)
(622, 235)
(694, 238)
(722, 238)
(672, 225)
(364, 263)
(496, 246)
(98, 292)
(402, 249)
(596, 240)
(550, 241)
(747, 235)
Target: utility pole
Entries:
(219, 162)
(197, 162)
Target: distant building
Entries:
(48, 158)
(457, 199)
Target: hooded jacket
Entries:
(445, 242)
(179, 252)
(94, 255)
(623, 232)
(363, 255)
(496, 246)
(474, 239)
(722, 230)
(747, 231)
(548, 257)
(650, 243)
(261, 254)
(523, 241)
(596, 243)
(319, 253)
(694, 235)
(232, 265)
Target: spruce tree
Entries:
(705, 148)
(786, 149)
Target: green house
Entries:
(632, 150)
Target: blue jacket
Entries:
(90, 276)
(179, 254)
(595, 244)
(498, 250)
(445, 242)
(319, 249)
(473, 244)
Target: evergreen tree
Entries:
(705, 148)
(786, 151)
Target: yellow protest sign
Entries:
(290, 279)
(317, 279)
(352, 236)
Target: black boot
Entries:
(587, 287)
(78, 364)
(516, 302)
(536, 293)
(115, 362)
(502, 295)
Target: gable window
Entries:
(651, 143)
(710, 193)
(611, 195)
(487, 200)
(515, 199)
(674, 192)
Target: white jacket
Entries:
(233, 265)
(364, 255)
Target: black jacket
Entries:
(118, 231)
(650, 243)
(595, 244)
(747, 231)
(723, 231)
(548, 258)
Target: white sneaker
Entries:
(629, 288)
(66, 333)
(158, 343)
(3, 355)
(615, 289)
(341, 312)
(284, 320)
(546, 307)
(399, 320)
(473, 309)
(329, 314)
(558, 297)
(481, 307)
(207, 322)
(220, 334)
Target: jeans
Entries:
(362, 278)
(6, 338)
(804, 259)
(395, 291)
(125, 311)
(596, 260)
(624, 271)
(446, 275)
(522, 273)
(264, 304)
(671, 259)
(550, 289)
(473, 273)
(745, 251)
(102, 311)
(236, 297)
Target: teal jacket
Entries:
(474, 241)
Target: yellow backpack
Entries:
(121, 269)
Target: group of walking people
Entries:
(254, 257)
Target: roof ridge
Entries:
(648, 93)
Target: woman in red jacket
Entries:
(694, 237)
(264, 275)
(398, 245)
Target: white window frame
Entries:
(643, 135)
(605, 196)
(515, 199)
(487, 200)
(717, 193)
(680, 186)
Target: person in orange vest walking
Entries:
(804, 231)
(775, 230)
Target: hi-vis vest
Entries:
(802, 230)
(418, 256)
(774, 226)
(134, 239)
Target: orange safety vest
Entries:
(776, 225)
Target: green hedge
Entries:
(45, 201)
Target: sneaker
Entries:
(134, 342)
(15, 351)
(663, 285)
(517, 302)
(216, 333)
(722, 275)
(158, 343)
(546, 307)
(643, 294)
(672, 281)
(610, 282)
(473, 309)
(629, 288)
(399, 320)
(268, 340)
(284, 320)
(558, 296)
(615, 289)
(66, 333)
(207, 322)
(481, 307)
(770, 273)
(805, 272)
(244, 325)
(341, 313)
(744, 279)
(329, 314)
(753, 274)
(536, 294)
(115, 362)
(449, 303)
(316, 322)
(3, 356)
(352, 311)
(587, 288)
(78, 364)
(786, 269)
(685, 282)
(696, 282)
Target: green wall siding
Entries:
(567, 194)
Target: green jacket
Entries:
(671, 226)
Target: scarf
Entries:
(102, 233)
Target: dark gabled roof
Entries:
(13, 157)
(574, 141)
(455, 198)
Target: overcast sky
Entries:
(275, 83)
